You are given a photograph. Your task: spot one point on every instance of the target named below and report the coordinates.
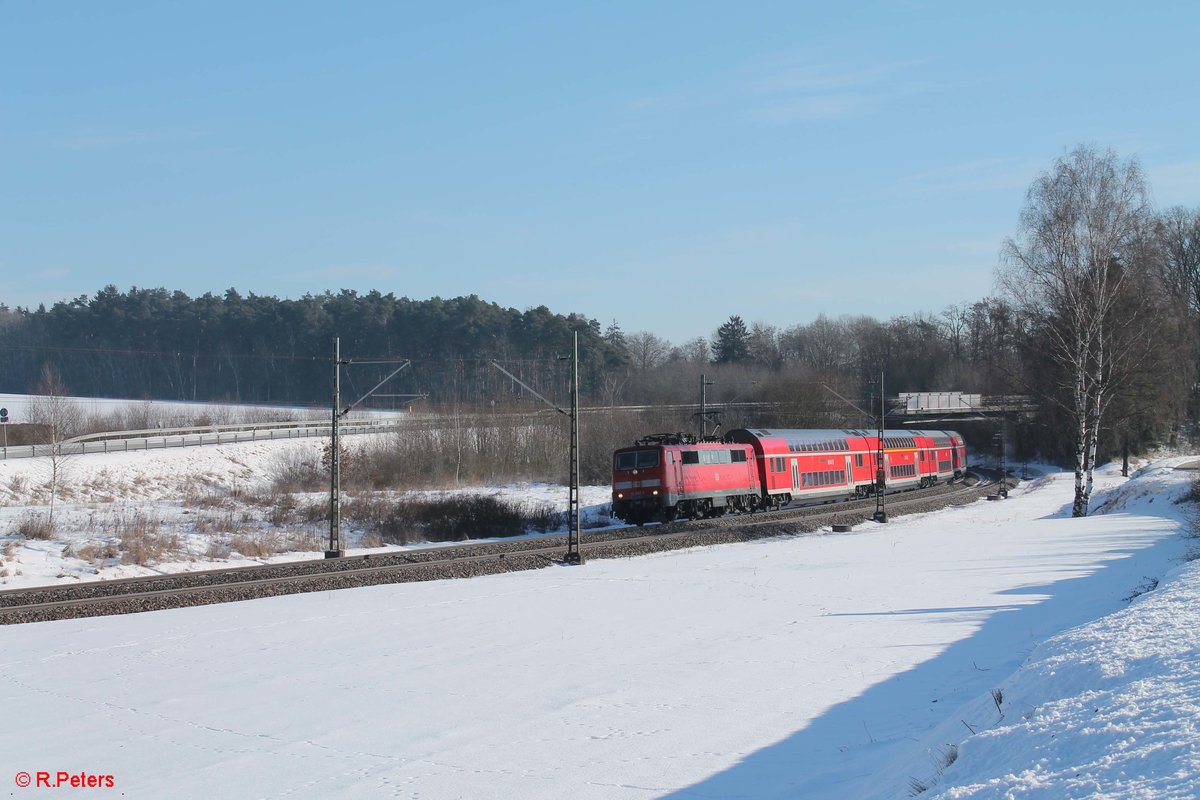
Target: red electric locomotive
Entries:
(667, 476)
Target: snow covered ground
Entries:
(822, 666)
(193, 502)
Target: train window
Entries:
(738, 456)
(858, 460)
(637, 459)
(690, 457)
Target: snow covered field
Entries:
(832, 666)
(196, 497)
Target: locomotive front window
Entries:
(637, 459)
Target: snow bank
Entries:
(824, 666)
(1108, 710)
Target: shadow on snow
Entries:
(837, 754)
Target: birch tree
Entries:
(61, 418)
(1076, 269)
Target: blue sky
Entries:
(663, 164)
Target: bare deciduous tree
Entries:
(1178, 232)
(61, 418)
(646, 350)
(1074, 269)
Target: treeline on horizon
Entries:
(164, 345)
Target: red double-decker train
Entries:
(668, 476)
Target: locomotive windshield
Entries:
(637, 459)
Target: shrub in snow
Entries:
(36, 526)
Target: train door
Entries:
(795, 474)
(676, 467)
(849, 472)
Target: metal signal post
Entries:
(880, 468)
(574, 555)
(336, 549)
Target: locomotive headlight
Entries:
(620, 495)
(655, 492)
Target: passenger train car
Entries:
(667, 476)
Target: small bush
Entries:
(194, 497)
(250, 546)
(282, 510)
(1192, 495)
(266, 544)
(35, 526)
(312, 511)
(448, 519)
(297, 472)
(96, 552)
(228, 520)
(143, 542)
(218, 550)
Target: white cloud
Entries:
(810, 77)
(801, 89)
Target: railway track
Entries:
(133, 595)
